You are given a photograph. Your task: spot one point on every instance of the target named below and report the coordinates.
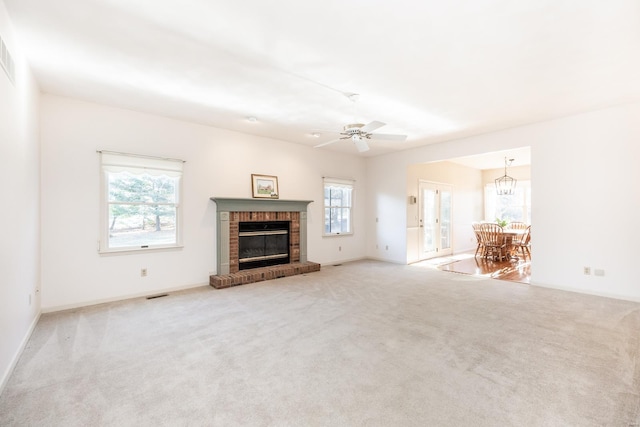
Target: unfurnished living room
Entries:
(251, 213)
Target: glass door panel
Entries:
(445, 220)
(435, 220)
(428, 220)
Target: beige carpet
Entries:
(365, 343)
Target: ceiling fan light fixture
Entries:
(360, 143)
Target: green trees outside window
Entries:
(141, 206)
(337, 207)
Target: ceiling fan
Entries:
(359, 133)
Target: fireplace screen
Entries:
(261, 244)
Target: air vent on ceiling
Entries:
(6, 61)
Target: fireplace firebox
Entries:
(263, 243)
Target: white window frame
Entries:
(490, 197)
(343, 183)
(114, 162)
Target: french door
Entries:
(435, 219)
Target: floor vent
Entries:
(157, 296)
(6, 61)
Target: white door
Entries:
(435, 220)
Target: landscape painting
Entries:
(264, 186)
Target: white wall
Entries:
(585, 199)
(467, 202)
(20, 212)
(218, 163)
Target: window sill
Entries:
(129, 251)
(337, 234)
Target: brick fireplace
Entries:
(232, 213)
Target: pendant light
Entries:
(505, 185)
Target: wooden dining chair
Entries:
(516, 225)
(476, 231)
(516, 239)
(493, 239)
(524, 244)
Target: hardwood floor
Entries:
(515, 270)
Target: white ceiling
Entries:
(433, 70)
(496, 159)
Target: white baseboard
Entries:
(342, 261)
(121, 298)
(14, 361)
(587, 292)
(390, 261)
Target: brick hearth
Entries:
(263, 273)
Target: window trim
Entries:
(490, 189)
(344, 183)
(124, 161)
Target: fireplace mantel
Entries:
(225, 204)
(230, 211)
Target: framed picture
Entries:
(264, 186)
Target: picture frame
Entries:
(264, 186)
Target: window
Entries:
(141, 202)
(338, 202)
(516, 207)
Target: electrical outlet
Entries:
(386, 247)
(143, 272)
(598, 272)
(587, 270)
(339, 248)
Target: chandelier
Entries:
(505, 185)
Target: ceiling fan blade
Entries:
(371, 126)
(388, 136)
(361, 145)
(326, 143)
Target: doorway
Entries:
(434, 219)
